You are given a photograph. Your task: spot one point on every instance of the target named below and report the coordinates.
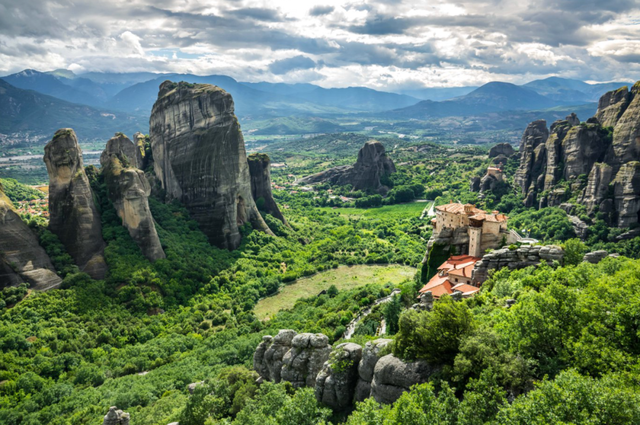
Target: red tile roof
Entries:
(472, 212)
(458, 266)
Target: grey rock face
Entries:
(612, 105)
(372, 164)
(595, 257)
(576, 149)
(501, 149)
(366, 368)
(580, 228)
(627, 193)
(536, 134)
(200, 158)
(336, 382)
(260, 171)
(474, 186)
(116, 416)
(520, 258)
(305, 359)
(22, 259)
(73, 214)
(392, 377)
(129, 191)
(269, 356)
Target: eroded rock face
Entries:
(200, 159)
(574, 150)
(372, 165)
(116, 416)
(392, 377)
(524, 256)
(129, 191)
(501, 149)
(22, 259)
(269, 356)
(73, 214)
(260, 171)
(305, 359)
(612, 105)
(366, 367)
(336, 382)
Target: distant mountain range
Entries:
(29, 112)
(134, 94)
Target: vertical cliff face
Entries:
(606, 148)
(73, 214)
(260, 171)
(200, 158)
(22, 259)
(129, 191)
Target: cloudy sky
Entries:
(390, 44)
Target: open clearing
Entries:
(398, 211)
(344, 277)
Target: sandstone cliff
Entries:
(260, 171)
(73, 214)
(129, 191)
(22, 259)
(596, 160)
(200, 159)
(372, 165)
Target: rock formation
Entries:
(598, 158)
(260, 171)
(305, 359)
(336, 382)
(392, 377)
(116, 416)
(524, 256)
(366, 367)
(200, 159)
(341, 375)
(73, 216)
(372, 165)
(129, 191)
(22, 259)
(504, 149)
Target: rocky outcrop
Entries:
(72, 211)
(260, 171)
(392, 377)
(372, 165)
(366, 367)
(339, 376)
(129, 191)
(305, 359)
(580, 228)
(502, 149)
(336, 382)
(595, 257)
(524, 256)
(200, 159)
(626, 192)
(22, 259)
(604, 148)
(612, 105)
(116, 416)
(597, 189)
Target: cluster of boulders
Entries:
(341, 375)
(519, 258)
(599, 159)
(116, 416)
(371, 166)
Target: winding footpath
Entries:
(351, 327)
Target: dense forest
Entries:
(564, 349)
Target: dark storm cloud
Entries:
(321, 10)
(285, 65)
